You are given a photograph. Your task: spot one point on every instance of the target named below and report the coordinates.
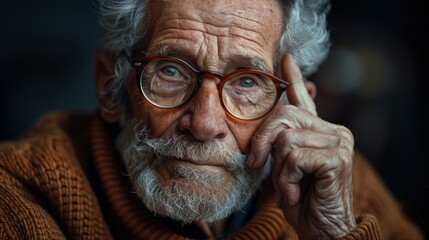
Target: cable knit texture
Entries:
(64, 180)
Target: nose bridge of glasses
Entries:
(209, 74)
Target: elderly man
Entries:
(205, 130)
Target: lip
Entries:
(213, 163)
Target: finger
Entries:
(290, 139)
(299, 162)
(297, 92)
(288, 177)
(296, 118)
(304, 138)
(328, 167)
(263, 142)
(291, 117)
(327, 191)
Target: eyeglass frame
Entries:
(140, 64)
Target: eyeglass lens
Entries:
(245, 95)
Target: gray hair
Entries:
(125, 22)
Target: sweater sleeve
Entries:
(21, 215)
(367, 229)
(379, 215)
(44, 193)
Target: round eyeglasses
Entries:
(169, 82)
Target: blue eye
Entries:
(170, 71)
(246, 82)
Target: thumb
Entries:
(297, 92)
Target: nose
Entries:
(205, 119)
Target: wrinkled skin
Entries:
(312, 158)
(312, 169)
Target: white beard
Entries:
(192, 194)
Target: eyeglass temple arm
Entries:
(134, 64)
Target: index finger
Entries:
(297, 92)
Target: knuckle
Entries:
(310, 106)
(289, 108)
(259, 137)
(345, 132)
(343, 142)
(286, 109)
(286, 137)
(332, 175)
(344, 157)
(293, 158)
(346, 136)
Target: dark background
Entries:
(373, 82)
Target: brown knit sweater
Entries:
(64, 181)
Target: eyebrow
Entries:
(242, 60)
(254, 62)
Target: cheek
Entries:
(161, 121)
(243, 133)
(158, 120)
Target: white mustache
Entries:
(184, 146)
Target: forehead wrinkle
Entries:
(220, 27)
(248, 29)
(174, 48)
(221, 30)
(249, 34)
(225, 14)
(252, 62)
(250, 26)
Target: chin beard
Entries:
(192, 194)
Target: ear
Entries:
(311, 88)
(104, 70)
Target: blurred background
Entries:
(374, 81)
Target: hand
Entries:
(312, 163)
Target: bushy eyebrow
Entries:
(254, 62)
(238, 59)
(159, 50)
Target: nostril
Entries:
(184, 122)
(205, 129)
(203, 126)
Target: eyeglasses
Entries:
(169, 82)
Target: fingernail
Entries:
(250, 160)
